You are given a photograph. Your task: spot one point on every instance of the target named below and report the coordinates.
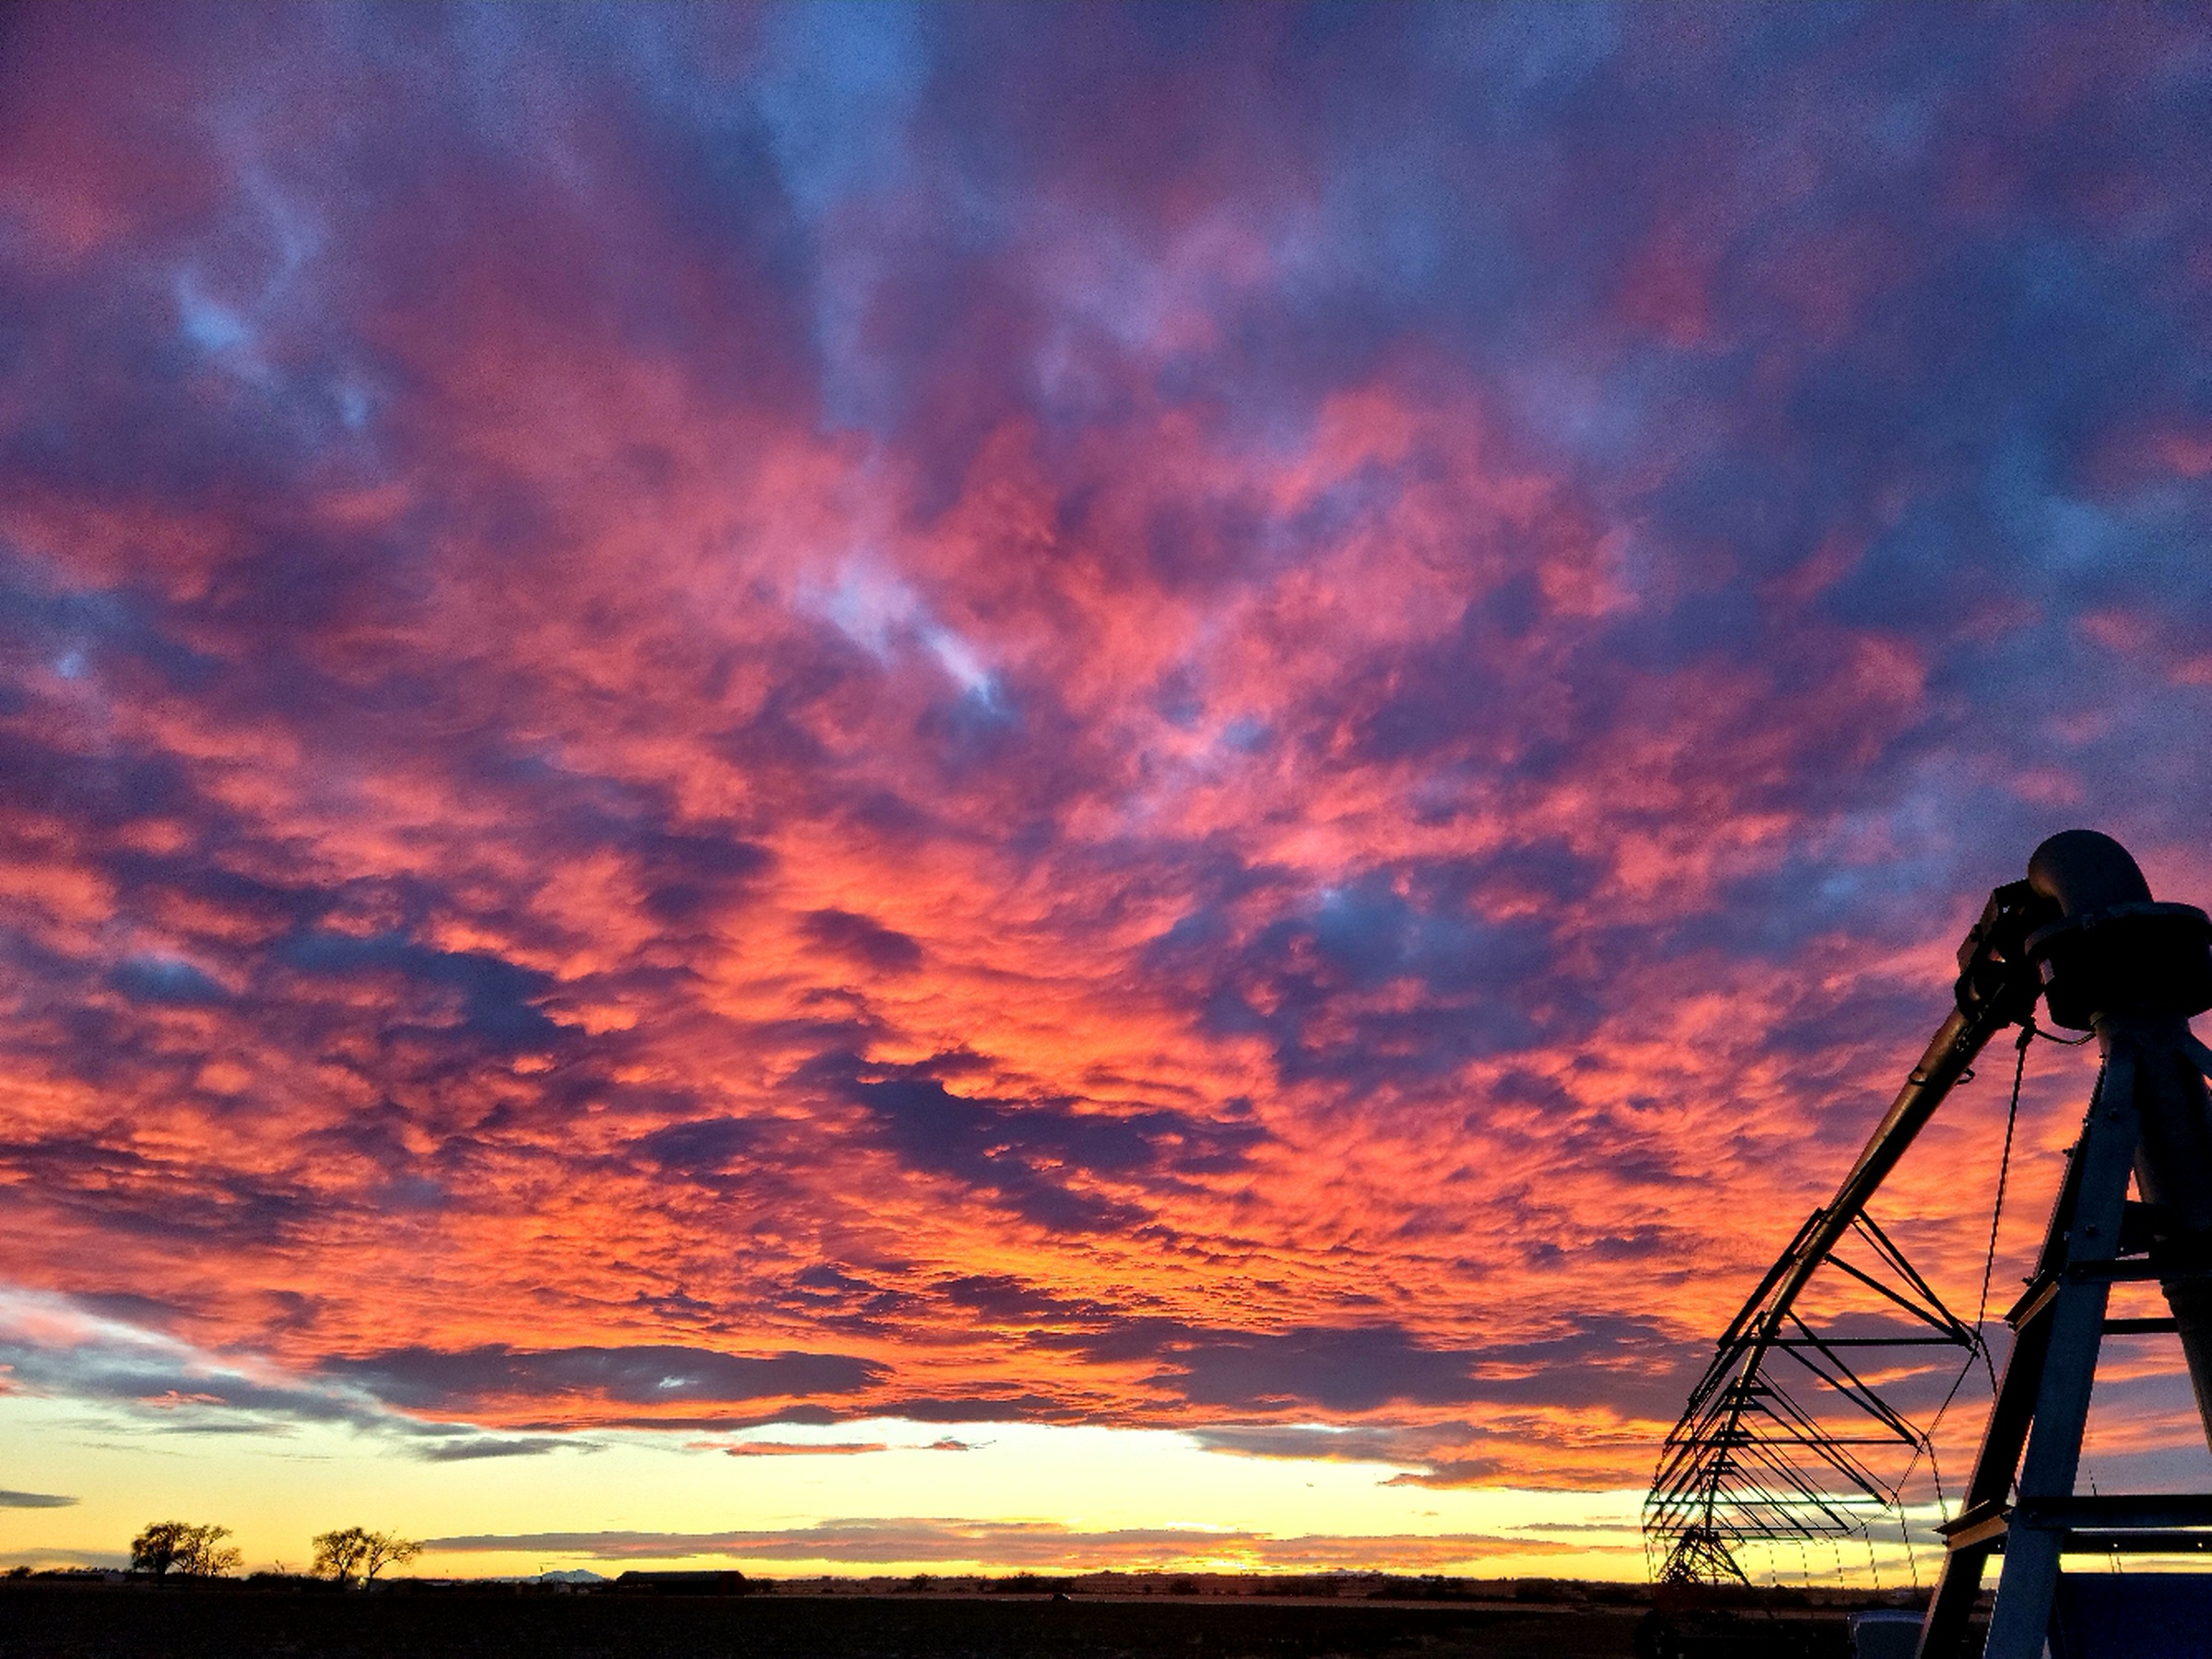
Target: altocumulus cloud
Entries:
(1213, 719)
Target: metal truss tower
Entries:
(1786, 1437)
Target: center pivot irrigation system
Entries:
(1788, 1438)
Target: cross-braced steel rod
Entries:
(2132, 971)
(1747, 1463)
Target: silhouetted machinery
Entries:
(1792, 1435)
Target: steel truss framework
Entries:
(1786, 1437)
(1751, 1460)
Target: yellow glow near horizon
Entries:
(276, 1490)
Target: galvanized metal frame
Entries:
(1746, 1462)
(2096, 1238)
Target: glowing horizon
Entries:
(740, 746)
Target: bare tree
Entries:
(338, 1553)
(205, 1555)
(156, 1548)
(354, 1552)
(387, 1549)
(194, 1551)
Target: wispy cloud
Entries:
(55, 1345)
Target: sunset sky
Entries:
(859, 789)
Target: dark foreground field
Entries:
(56, 1621)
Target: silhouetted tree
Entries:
(338, 1554)
(155, 1549)
(206, 1556)
(387, 1549)
(194, 1551)
(354, 1552)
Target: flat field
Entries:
(73, 1621)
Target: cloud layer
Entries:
(1230, 719)
(1013, 1544)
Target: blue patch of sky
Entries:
(166, 979)
(838, 85)
(836, 91)
(206, 323)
